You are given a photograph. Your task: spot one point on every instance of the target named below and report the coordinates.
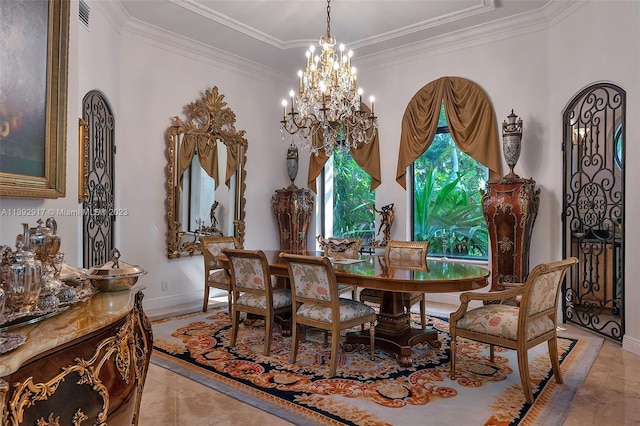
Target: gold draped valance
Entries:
(206, 148)
(471, 119)
(366, 155)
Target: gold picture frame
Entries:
(33, 111)
(83, 160)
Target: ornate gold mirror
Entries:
(203, 151)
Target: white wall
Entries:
(606, 48)
(534, 66)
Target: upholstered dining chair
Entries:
(253, 292)
(316, 303)
(515, 327)
(403, 254)
(341, 248)
(214, 274)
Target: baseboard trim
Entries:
(631, 344)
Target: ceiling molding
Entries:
(228, 22)
(180, 45)
(526, 23)
(486, 6)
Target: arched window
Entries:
(449, 145)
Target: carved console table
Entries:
(85, 366)
(293, 208)
(510, 207)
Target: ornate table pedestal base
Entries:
(394, 333)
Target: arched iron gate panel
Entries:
(98, 205)
(593, 220)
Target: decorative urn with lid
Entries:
(115, 275)
(511, 141)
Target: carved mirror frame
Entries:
(209, 121)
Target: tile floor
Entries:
(610, 395)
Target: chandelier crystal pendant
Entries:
(327, 105)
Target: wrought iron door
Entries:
(593, 220)
(98, 203)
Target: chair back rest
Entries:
(406, 253)
(340, 248)
(212, 247)
(313, 280)
(540, 296)
(249, 271)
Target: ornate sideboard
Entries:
(293, 208)
(86, 365)
(510, 207)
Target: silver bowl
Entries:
(115, 275)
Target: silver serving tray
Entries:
(22, 319)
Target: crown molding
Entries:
(505, 28)
(134, 29)
(484, 7)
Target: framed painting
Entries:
(34, 40)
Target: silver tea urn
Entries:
(43, 240)
(21, 281)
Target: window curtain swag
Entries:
(366, 155)
(472, 123)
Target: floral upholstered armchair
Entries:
(253, 292)
(314, 294)
(214, 275)
(515, 327)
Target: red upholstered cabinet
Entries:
(510, 207)
(293, 208)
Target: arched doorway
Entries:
(593, 206)
(99, 149)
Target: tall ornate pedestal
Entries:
(510, 207)
(293, 208)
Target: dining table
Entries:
(393, 332)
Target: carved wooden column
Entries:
(510, 207)
(293, 208)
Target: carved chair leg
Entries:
(335, 347)
(523, 368)
(205, 303)
(268, 323)
(452, 357)
(295, 337)
(555, 362)
(372, 339)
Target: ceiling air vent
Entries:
(84, 13)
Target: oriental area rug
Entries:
(366, 392)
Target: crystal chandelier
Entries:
(327, 110)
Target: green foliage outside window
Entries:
(447, 200)
(353, 202)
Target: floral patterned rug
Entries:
(366, 392)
